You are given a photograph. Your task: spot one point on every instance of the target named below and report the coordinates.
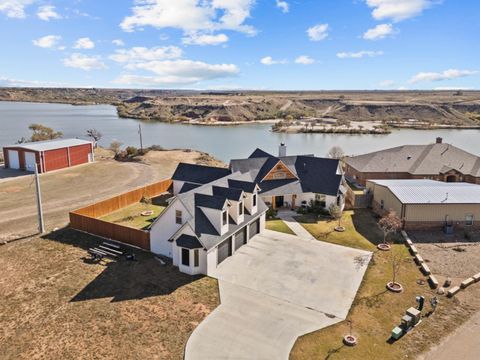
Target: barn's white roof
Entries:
(51, 144)
(432, 192)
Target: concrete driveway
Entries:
(273, 290)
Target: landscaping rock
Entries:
(476, 277)
(453, 291)
(433, 282)
(418, 259)
(404, 234)
(414, 250)
(441, 291)
(425, 269)
(409, 243)
(467, 282)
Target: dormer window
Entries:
(224, 218)
(240, 208)
(178, 217)
(254, 199)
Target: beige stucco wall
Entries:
(455, 212)
(382, 193)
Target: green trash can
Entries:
(397, 333)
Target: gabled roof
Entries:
(429, 159)
(189, 242)
(247, 186)
(432, 192)
(198, 174)
(210, 201)
(188, 186)
(259, 153)
(51, 144)
(229, 192)
(314, 174)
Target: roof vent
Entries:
(439, 140)
(409, 157)
(282, 150)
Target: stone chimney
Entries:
(282, 150)
(439, 140)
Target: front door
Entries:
(279, 201)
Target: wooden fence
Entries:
(86, 219)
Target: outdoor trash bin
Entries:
(397, 333)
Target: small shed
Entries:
(48, 155)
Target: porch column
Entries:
(274, 205)
(294, 197)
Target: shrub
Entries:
(131, 151)
(271, 214)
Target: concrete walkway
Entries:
(273, 290)
(287, 217)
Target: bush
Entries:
(131, 151)
(271, 214)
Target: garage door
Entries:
(30, 161)
(240, 238)
(13, 160)
(254, 228)
(224, 250)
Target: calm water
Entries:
(223, 142)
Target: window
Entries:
(469, 220)
(196, 258)
(186, 257)
(280, 175)
(382, 204)
(178, 216)
(254, 199)
(240, 208)
(224, 218)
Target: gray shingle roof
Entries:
(432, 192)
(198, 174)
(210, 201)
(429, 159)
(188, 242)
(229, 192)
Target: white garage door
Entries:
(30, 161)
(13, 161)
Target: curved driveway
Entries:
(273, 290)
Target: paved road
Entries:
(273, 290)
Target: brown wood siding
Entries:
(279, 170)
(86, 219)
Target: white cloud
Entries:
(387, 83)
(143, 54)
(5, 81)
(304, 60)
(118, 42)
(47, 12)
(177, 72)
(205, 39)
(283, 5)
(359, 54)
(398, 10)
(205, 16)
(441, 76)
(318, 32)
(84, 62)
(15, 8)
(444, 88)
(379, 32)
(47, 42)
(84, 43)
(268, 60)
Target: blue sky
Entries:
(241, 44)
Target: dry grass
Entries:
(131, 216)
(57, 305)
(278, 225)
(375, 311)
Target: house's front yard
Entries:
(278, 225)
(55, 304)
(376, 311)
(131, 216)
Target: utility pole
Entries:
(41, 224)
(140, 133)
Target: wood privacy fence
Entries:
(86, 219)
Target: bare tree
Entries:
(95, 135)
(115, 146)
(390, 223)
(397, 260)
(336, 152)
(336, 213)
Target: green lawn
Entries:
(131, 215)
(361, 230)
(278, 225)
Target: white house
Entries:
(207, 220)
(294, 181)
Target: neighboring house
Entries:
(439, 161)
(427, 204)
(294, 181)
(214, 212)
(48, 155)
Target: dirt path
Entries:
(66, 190)
(462, 344)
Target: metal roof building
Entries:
(426, 204)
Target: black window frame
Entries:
(224, 217)
(178, 218)
(254, 199)
(469, 222)
(240, 208)
(196, 258)
(187, 261)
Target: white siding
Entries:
(233, 211)
(249, 203)
(177, 186)
(165, 227)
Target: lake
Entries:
(224, 142)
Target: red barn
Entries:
(48, 155)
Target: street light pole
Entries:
(140, 133)
(41, 224)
